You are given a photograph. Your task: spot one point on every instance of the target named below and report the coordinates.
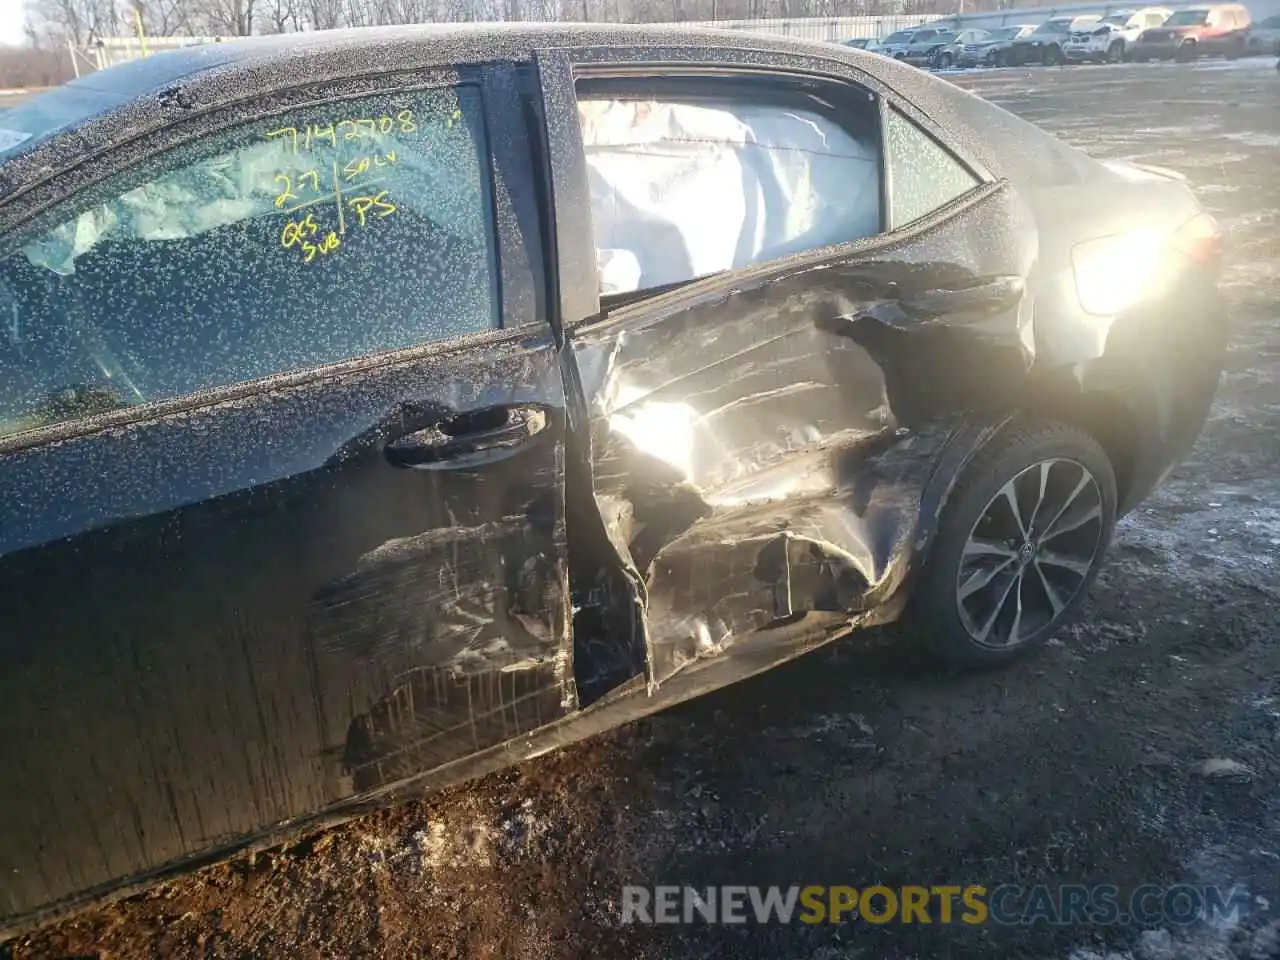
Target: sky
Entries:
(11, 21)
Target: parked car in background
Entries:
(993, 50)
(1108, 40)
(859, 43)
(1044, 43)
(947, 54)
(1264, 37)
(895, 44)
(380, 408)
(1220, 29)
(922, 44)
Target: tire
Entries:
(1185, 53)
(1047, 592)
(1115, 52)
(1051, 57)
(944, 61)
(1000, 58)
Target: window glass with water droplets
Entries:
(923, 176)
(301, 240)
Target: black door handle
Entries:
(470, 439)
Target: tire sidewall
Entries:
(933, 601)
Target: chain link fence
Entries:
(819, 28)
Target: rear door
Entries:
(282, 453)
(795, 299)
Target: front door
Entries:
(800, 295)
(281, 446)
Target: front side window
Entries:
(1187, 18)
(923, 176)
(305, 239)
(688, 187)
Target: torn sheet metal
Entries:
(762, 450)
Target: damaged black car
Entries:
(383, 407)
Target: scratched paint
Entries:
(239, 612)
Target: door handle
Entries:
(469, 439)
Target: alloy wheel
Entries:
(1029, 553)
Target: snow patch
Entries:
(1254, 138)
(1230, 528)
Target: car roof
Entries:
(131, 101)
(212, 75)
(352, 51)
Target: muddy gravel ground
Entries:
(861, 763)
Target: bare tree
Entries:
(227, 17)
(55, 22)
(32, 66)
(165, 18)
(280, 16)
(80, 21)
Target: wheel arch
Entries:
(1103, 414)
(1107, 417)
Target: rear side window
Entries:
(306, 239)
(922, 175)
(684, 188)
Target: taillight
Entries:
(1114, 273)
(1200, 240)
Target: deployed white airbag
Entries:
(684, 190)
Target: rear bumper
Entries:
(1090, 51)
(1164, 363)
